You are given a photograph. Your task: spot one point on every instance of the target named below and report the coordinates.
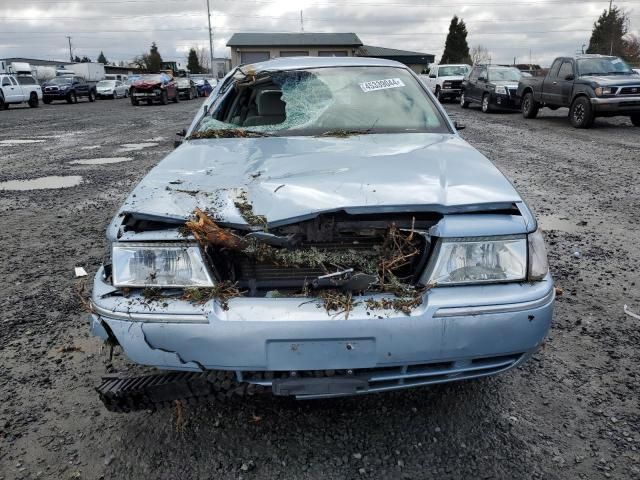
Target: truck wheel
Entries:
(463, 100)
(92, 96)
(115, 95)
(72, 98)
(177, 97)
(33, 100)
(3, 105)
(134, 101)
(581, 113)
(486, 103)
(164, 98)
(530, 107)
(439, 95)
(46, 101)
(635, 119)
(190, 97)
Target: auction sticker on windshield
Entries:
(381, 84)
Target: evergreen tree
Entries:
(153, 60)
(102, 59)
(77, 59)
(193, 63)
(85, 59)
(456, 48)
(608, 32)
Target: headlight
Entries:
(501, 90)
(538, 263)
(159, 265)
(600, 91)
(479, 260)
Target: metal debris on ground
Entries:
(80, 272)
(630, 313)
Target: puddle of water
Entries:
(90, 147)
(9, 143)
(562, 224)
(100, 161)
(134, 147)
(43, 183)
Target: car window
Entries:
(452, 71)
(475, 73)
(565, 70)
(603, 66)
(6, 82)
(553, 73)
(13, 80)
(26, 80)
(504, 74)
(320, 100)
(482, 73)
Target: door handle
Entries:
(555, 83)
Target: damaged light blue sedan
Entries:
(321, 231)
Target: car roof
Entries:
(294, 63)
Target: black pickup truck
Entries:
(589, 85)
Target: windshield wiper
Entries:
(618, 73)
(227, 133)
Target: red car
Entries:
(147, 88)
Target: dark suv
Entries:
(492, 86)
(68, 88)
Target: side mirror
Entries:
(432, 76)
(571, 76)
(458, 125)
(182, 133)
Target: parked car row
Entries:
(590, 86)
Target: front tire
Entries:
(530, 107)
(164, 98)
(33, 100)
(92, 96)
(486, 103)
(463, 100)
(581, 114)
(46, 101)
(134, 101)
(72, 98)
(115, 95)
(635, 119)
(439, 95)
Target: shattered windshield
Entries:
(603, 66)
(336, 100)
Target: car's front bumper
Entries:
(457, 333)
(614, 106)
(506, 102)
(450, 92)
(147, 95)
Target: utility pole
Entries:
(301, 22)
(611, 26)
(70, 53)
(210, 38)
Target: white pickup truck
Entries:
(445, 81)
(19, 89)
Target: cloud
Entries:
(126, 28)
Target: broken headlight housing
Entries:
(159, 265)
(461, 261)
(538, 263)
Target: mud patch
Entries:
(43, 183)
(100, 161)
(10, 143)
(136, 147)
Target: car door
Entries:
(550, 86)
(8, 89)
(481, 84)
(18, 95)
(432, 80)
(566, 78)
(470, 84)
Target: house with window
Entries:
(258, 47)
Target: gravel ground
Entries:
(571, 412)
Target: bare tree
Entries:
(480, 54)
(203, 58)
(632, 49)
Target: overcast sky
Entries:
(126, 28)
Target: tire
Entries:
(164, 98)
(177, 97)
(190, 97)
(115, 95)
(486, 103)
(92, 96)
(134, 101)
(46, 102)
(439, 95)
(3, 105)
(463, 100)
(149, 102)
(33, 100)
(72, 98)
(126, 93)
(581, 114)
(635, 119)
(530, 107)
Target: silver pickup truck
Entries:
(15, 90)
(321, 231)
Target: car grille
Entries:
(513, 92)
(633, 90)
(255, 275)
(398, 377)
(456, 84)
(51, 89)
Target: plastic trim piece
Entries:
(490, 309)
(150, 317)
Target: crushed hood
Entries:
(288, 179)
